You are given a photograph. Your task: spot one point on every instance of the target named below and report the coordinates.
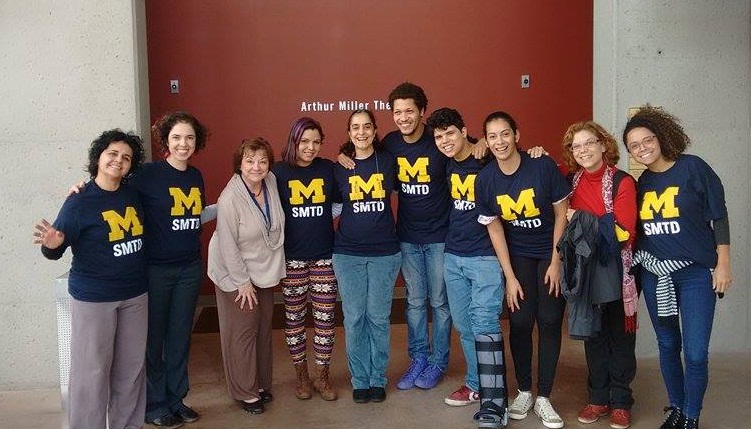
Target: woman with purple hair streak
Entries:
(306, 187)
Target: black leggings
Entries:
(545, 310)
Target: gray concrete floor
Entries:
(727, 404)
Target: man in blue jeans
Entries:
(474, 280)
(422, 221)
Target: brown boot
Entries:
(303, 381)
(322, 383)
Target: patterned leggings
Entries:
(317, 279)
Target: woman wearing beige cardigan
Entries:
(246, 260)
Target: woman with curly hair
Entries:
(172, 193)
(605, 197)
(684, 253)
(103, 226)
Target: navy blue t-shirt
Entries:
(105, 232)
(676, 208)
(423, 212)
(172, 201)
(465, 237)
(366, 225)
(306, 194)
(523, 201)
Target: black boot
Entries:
(673, 419)
(689, 423)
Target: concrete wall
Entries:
(692, 58)
(68, 71)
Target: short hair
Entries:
(162, 127)
(102, 142)
(251, 145)
(289, 155)
(445, 117)
(611, 154)
(672, 138)
(408, 90)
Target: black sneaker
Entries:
(252, 407)
(361, 396)
(689, 423)
(168, 420)
(673, 418)
(185, 413)
(265, 396)
(377, 394)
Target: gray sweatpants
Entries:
(107, 373)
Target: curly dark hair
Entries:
(102, 142)
(407, 90)
(445, 117)
(672, 138)
(162, 127)
(611, 155)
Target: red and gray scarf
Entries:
(630, 296)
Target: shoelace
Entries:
(522, 402)
(547, 411)
(432, 369)
(413, 367)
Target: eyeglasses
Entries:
(648, 141)
(588, 144)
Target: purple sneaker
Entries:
(415, 369)
(430, 377)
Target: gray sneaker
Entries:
(520, 407)
(544, 409)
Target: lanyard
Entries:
(266, 213)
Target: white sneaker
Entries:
(521, 406)
(544, 410)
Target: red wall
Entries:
(246, 66)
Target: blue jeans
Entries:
(366, 285)
(696, 304)
(173, 292)
(474, 286)
(422, 268)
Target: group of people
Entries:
(134, 231)
(476, 222)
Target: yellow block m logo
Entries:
(665, 203)
(525, 204)
(359, 187)
(118, 225)
(298, 192)
(182, 201)
(419, 171)
(464, 188)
